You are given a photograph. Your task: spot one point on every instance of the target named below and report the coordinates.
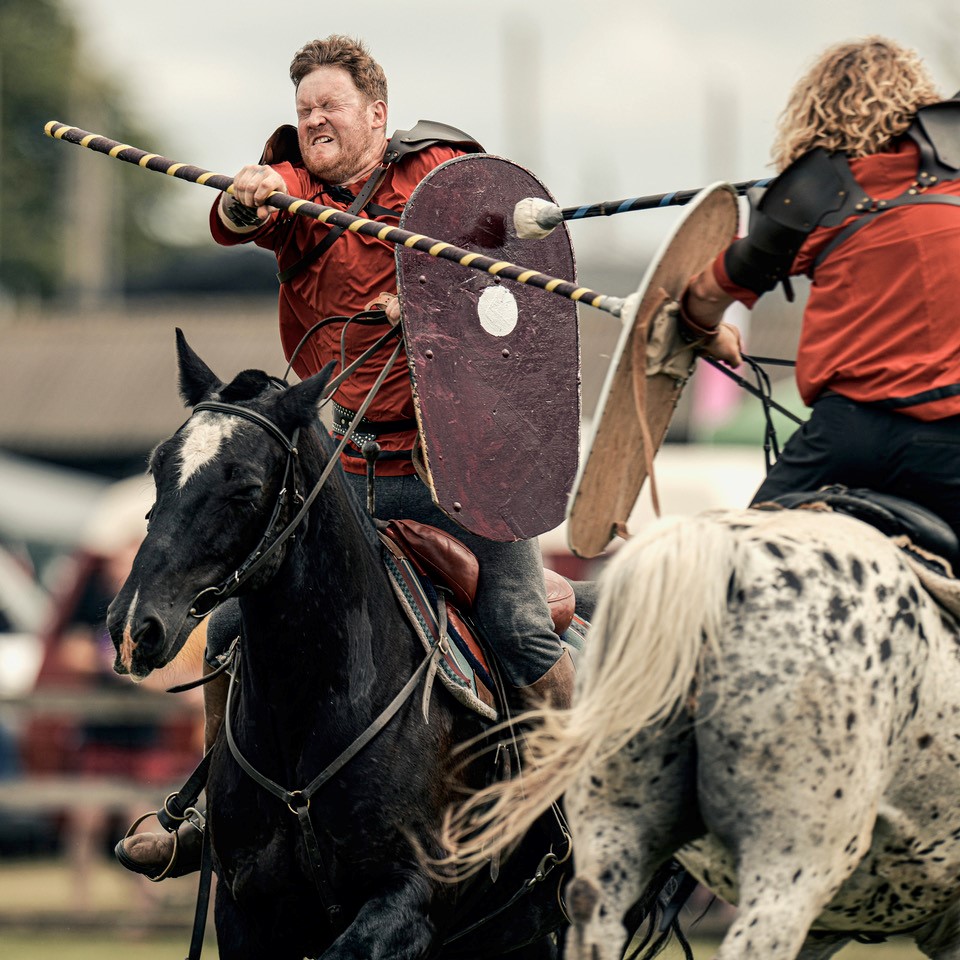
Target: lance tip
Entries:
(534, 219)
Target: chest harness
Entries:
(819, 190)
(283, 145)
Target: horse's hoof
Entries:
(157, 857)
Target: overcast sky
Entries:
(602, 99)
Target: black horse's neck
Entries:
(326, 625)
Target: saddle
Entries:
(928, 537)
(423, 561)
(450, 563)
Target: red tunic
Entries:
(352, 272)
(882, 318)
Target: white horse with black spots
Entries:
(772, 698)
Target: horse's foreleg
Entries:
(251, 932)
(395, 925)
(627, 817)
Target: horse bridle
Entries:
(260, 554)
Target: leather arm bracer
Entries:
(812, 191)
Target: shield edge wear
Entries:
(614, 468)
(533, 488)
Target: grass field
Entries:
(95, 946)
(47, 912)
(87, 946)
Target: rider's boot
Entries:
(158, 855)
(554, 688)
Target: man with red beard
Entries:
(339, 156)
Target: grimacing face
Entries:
(341, 134)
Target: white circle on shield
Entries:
(498, 311)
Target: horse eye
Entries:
(247, 493)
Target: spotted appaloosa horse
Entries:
(772, 698)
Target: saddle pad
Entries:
(934, 573)
(463, 668)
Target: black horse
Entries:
(326, 648)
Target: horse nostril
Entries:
(150, 635)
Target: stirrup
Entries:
(191, 815)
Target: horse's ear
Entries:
(297, 407)
(197, 380)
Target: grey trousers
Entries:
(511, 603)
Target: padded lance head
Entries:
(495, 364)
(646, 376)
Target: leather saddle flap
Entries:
(439, 556)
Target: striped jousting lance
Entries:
(535, 219)
(623, 307)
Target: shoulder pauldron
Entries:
(425, 134)
(818, 189)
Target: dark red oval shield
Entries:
(495, 364)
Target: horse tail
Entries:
(662, 600)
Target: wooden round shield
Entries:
(646, 376)
(495, 364)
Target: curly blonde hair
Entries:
(856, 98)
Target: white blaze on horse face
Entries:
(202, 438)
(498, 312)
(127, 644)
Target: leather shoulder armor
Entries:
(426, 134)
(815, 189)
(282, 145)
(936, 131)
(808, 191)
(818, 189)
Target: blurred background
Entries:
(99, 262)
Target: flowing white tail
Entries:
(662, 598)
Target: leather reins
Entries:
(298, 800)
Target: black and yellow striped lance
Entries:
(390, 235)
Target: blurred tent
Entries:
(73, 517)
(119, 516)
(45, 504)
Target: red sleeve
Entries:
(227, 238)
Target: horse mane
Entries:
(662, 599)
(247, 385)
